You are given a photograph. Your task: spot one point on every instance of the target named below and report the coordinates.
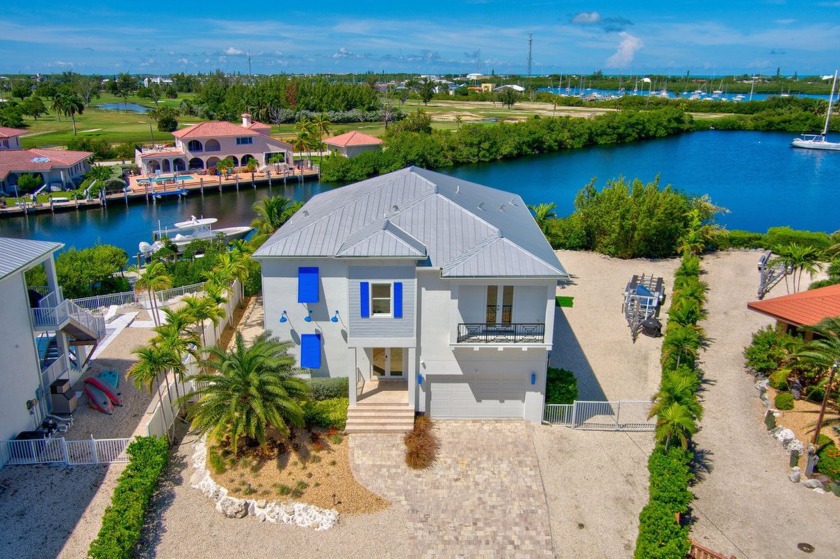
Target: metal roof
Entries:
(17, 254)
(464, 228)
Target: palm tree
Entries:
(681, 345)
(824, 352)
(796, 260)
(248, 392)
(200, 309)
(321, 127)
(152, 362)
(68, 104)
(153, 279)
(234, 266)
(543, 215)
(678, 387)
(214, 289)
(271, 214)
(252, 167)
(675, 421)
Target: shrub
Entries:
(660, 536)
(814, 394)
(739, 239)
(777, 236)
(29, 182)
(421, 445)
(122, 522)
(560, 387)
(329, 388)
(829, 463)
(217, 462)
(784, 401)
(770, 350)
(328, 414)
(670, 474)
(779, 379)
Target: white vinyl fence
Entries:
(621, 415)
(60, 451)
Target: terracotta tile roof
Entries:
(214, 129)
(806, 308)
(10, 132)
(260, 127)
(353, 138)
(31, 160)
(163, 153)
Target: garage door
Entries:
(476, 397)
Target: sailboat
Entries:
(818, 141)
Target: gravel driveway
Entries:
(745, 505)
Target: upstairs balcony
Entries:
(78, 323)
(504, 333)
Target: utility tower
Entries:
(530, 45)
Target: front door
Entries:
(387, 362)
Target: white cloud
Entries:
(183, 60)
(233, 52)
(586, 18)
(627, 50)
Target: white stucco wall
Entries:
(19, 365)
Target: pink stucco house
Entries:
(203, 145)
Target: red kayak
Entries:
(108, 389)
(98, 400)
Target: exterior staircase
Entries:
(381, 409)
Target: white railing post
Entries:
(93, 450)
(64, 453)
(617, 414)
(574, 414)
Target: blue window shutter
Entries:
(310, 351)
(364, 298)
(308, 285)
(398, 299)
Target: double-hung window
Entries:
(380, 299)
(244, 141)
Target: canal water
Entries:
(757, 176)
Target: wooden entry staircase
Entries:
(381, 408)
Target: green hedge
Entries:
(122, 523)
(560, 387)
(660, 536)
(329, 414)
(829, 463)
(329, 388)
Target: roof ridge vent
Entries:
(305, 213)
(395, 208)
(457, 189)
(513, 202)
(481, 206)
(501, 207)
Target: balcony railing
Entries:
(515, 333)
(54, 317)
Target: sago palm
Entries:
(153, 362)
(677, 388)
(543, 215)
(235, 266)
(248, 391)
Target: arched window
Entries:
(212, 145)
(195, 145)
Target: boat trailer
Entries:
(642, 298)
(770, 274)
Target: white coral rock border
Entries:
(300, 514)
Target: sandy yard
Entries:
(595, 483)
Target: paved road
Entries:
(746, 506)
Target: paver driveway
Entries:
(483, 497)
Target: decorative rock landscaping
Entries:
(300, 514)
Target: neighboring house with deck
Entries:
(438, 291)
(351, 144)
(203, 145)
(57, 167)
(45, 338)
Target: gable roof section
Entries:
(353, 138)
(213, 129)
(806, 308)
(384, 240)
(6, 132)
(463, 228)
(17, 254)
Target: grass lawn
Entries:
(312, 467)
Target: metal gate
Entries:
(60, 451)
(620, 415)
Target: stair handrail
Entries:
(68, 309)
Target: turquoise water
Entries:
(756, 175)
(127, 107)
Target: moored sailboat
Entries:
(819, 141)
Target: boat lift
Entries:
(642, 298)
(769, 274)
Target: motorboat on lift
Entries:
(184, 232)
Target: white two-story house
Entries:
(427, 284)
(203, 145)
(46, 340)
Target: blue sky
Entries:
(432, 36)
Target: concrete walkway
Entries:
(745, 505)
(483, 497)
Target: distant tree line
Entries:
(413, 142)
